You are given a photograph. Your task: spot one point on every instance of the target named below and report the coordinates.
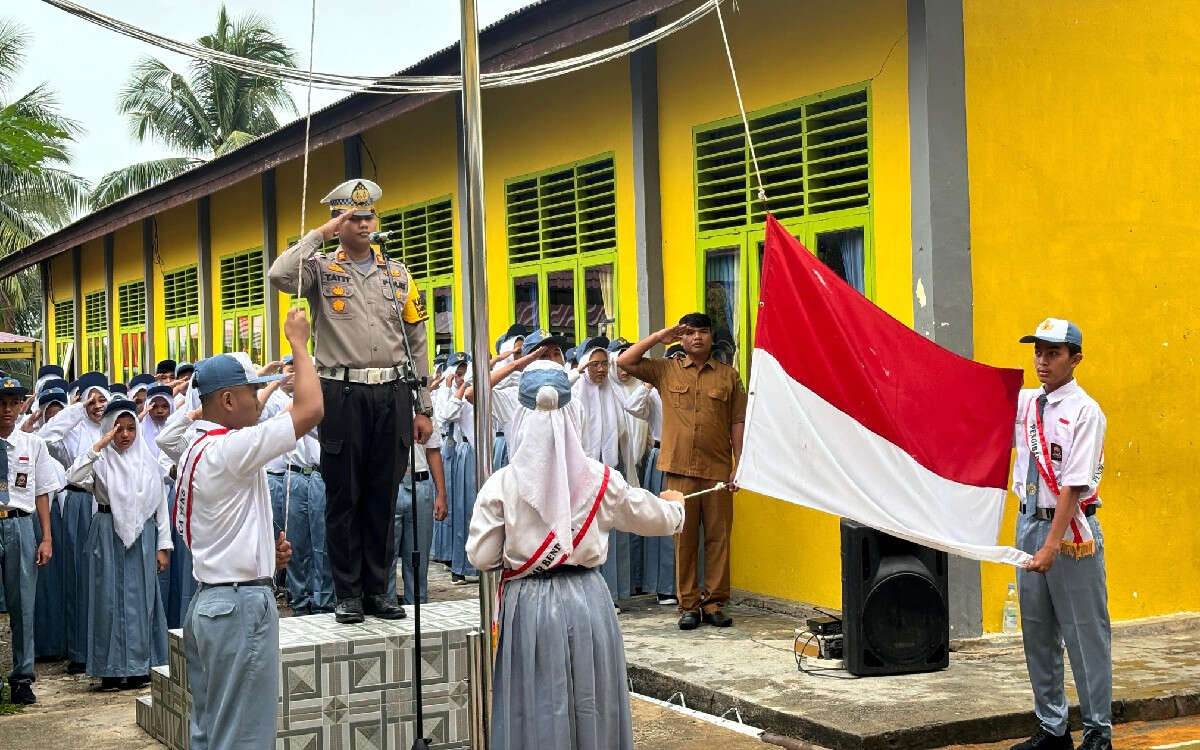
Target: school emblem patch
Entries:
(1055, 452)
(22, 480)
(395, 273)
(338, 305)
(336, 268)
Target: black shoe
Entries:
(1043, 740)
(718, 618)
(76, 667)
(457, 580)
(21, 694)
(349, 610)
(382, 606)
(110, 684)
(136, 683)
(689, 621)
(1095, 740)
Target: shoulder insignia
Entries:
(340, 256)
(414, 305)
(338, 291)
(338, 305)
(336, 268)
(396, 273)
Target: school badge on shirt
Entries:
(21, 480)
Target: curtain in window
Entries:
(852, 258)
(721, 290)
(602, 318)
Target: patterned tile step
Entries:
(144, 711)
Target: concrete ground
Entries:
(1172, 734)
(983, 697)
(74, 716)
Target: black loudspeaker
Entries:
(895, 612)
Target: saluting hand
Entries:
(330, 228)
(105, 439)
(672, 334)
(271, 368)
(283, 551)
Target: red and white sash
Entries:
(185, 486)
(1078, 540)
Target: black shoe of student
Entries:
(21, 694)
(1043, 740)
(718, 618)
(458, 580)
(383, 607)
(137, 683)
(76, 667)
(1095, 740)
(110, 684)
(689, 621)
(349, 610)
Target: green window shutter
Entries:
(95, 313)
(242, 280)
(814, 157)
(131, 304)
(425, 244)
(64, 319)
(181, 293)
(562, 212)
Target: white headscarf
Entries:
(148, 429)
(603, 416)
(554, 477)
(134, 479)
(635, 438)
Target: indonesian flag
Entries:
(853, 413)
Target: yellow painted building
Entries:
(972, 167)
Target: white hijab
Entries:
(635, 438)
(148, 429)
(603, 411)
(86, 433)
(134, 480)
(554, 477)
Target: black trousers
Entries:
(364, 451)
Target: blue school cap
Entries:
(227, 371)
(183, 368)
(118, 388)
(144, 379)
(12, 387)
(59, 383)
(54, 370)
(52, 395)
(541, 337)
(536, 378)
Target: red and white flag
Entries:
(853, 413)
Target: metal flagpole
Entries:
(475, 272)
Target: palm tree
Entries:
(37, 193)
(208, 113)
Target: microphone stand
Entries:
(414, 385)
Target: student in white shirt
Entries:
(231, 632)
(459, 414)
(1059, 438)
(544, 520)
(175, 584)
(430, 478)
(28, 478)
(128, 546)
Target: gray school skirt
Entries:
(560, 666)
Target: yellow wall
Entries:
(1097, 224)
(235, 220)
(62, 288)
(530, 128)
(324, 173)
(177, 247)
(778, 548)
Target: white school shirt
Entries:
(73, 428)
(503, 522)
(1074, 426)
(227, 517)
(460, 414)
(308, 448)
(31, 470)
(506, 405)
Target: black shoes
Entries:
(718, 618)
(1043, 740)
(76, 667)
(110, 684)
(136, 683)
(383, 607)
(349, 610)
(21, 694)
(1095, 740)
(689, 621)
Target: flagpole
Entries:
(476, 312)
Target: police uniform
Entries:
(26, 472)
(1059, 439)
(223, 510)
(362, 314)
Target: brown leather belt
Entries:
(13, 513)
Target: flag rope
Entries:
(762, 191)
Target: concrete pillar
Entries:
(204, 276)
(647, 213)
(941, 221)
(351, 158)
(148, 279)
(77, 293)
(110, 299)
(270, 234)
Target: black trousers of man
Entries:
(364, 452)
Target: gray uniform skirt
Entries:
(560, 677)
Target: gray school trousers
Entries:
(1069, 603)
(231, 641)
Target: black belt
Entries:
(104, 509)
(256, 582)
(296, 468)
(559, 570)
(499, 433)
(75, 488)
(421, 476)
(1047, 514)
(658, 444)
(6, 513)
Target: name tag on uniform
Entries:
(22, 480)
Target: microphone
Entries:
(379, 238)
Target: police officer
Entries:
(364, 308)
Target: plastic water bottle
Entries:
(1012, 613)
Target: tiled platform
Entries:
(345, 687)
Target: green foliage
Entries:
(208, 112)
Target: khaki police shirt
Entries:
(355, 323)
(700, 405)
